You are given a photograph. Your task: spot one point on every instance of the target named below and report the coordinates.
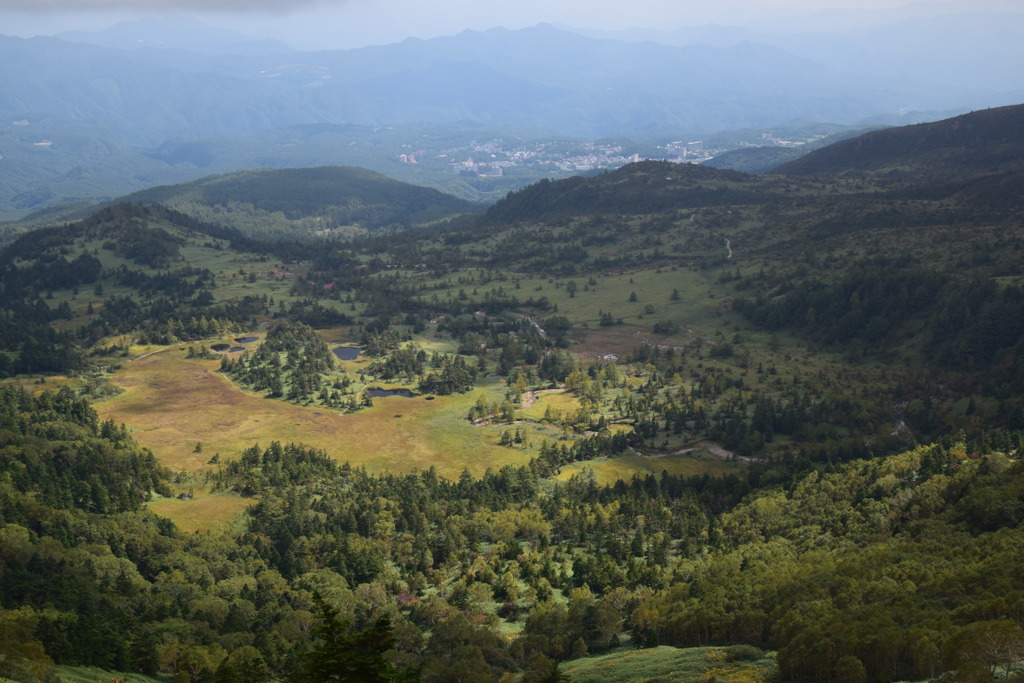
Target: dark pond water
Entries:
(347, 352)
(379, 393)
(246, 340)
(220, 347)
(237, 348)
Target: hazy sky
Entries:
(351, 23)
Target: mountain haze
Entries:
(176, 33)
(109, 109)
(970, 50)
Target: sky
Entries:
(342, 24)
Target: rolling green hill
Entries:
(302, 204)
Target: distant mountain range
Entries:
(81, 121)
(972, 50)
(542, 80)
(176, 33)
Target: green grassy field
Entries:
(186, 412)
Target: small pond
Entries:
(246, 340)
(347, 352)
(220, 347)
(380, 393)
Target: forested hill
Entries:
(299, 203)
(980, 142)
(641, 188)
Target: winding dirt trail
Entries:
(715, 450)
(151, 353)
(728, 242)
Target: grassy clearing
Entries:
(204, 512)
(625, 466)
(172, 404)
(668, 664)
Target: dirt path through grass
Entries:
(712, 448)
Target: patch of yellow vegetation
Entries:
(203, 512)
(560, 401)
(38, 385)
(610, 470)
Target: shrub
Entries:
(743, 653)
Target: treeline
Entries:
(179, 285)
(451, 375)
(872, 300)
(28, 344)
(894, 569)
(164, 321)
(967, 323)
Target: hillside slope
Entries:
(976, 143)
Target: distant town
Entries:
(495, 157)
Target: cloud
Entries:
(88, 6)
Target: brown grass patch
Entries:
(618, 340)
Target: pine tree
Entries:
(341, 654)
